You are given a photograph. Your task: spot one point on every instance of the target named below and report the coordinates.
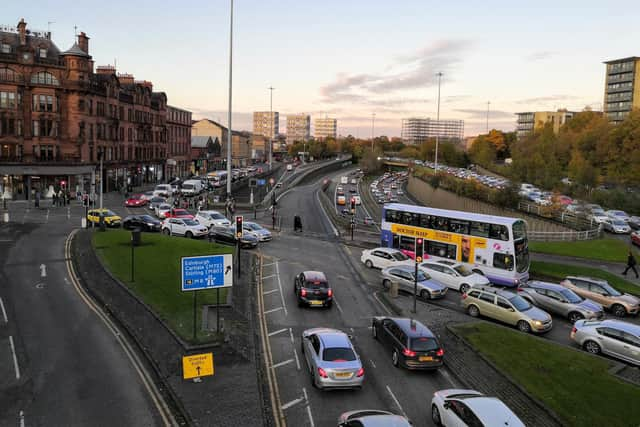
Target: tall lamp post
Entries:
(488, 105)
(229, 136)
(438, 123)
(373, 125)
(271, 88)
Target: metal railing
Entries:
(564, 236)
(576, 220)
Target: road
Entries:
(386, 387)
(61, 364)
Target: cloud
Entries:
(540, 55)
(547, 99)
(477, 113)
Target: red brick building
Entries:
(179, 142)
(57, 114)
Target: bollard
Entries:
(393, 290)
(6, 217)
(83, 222)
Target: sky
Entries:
(351, 59)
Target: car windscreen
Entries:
(338, 354)
(520, 303)
(110, 213)
(187, 186)
(217, 216)
(148, 218)
(399, 256)
(570, 296)
(190, 221)
(619, 223)
(423, 344)
(422, 276)
(253, 226)
(462, 270)
(315, 284)
(610, 290)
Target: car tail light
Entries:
(360, 372)
(440, 352)
(322, 373)
(408, 352)
(574, 330)
(330, 292)
(464, 296)
(303, 292)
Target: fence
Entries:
(564, 236)
(577, 221)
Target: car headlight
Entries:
(537, 323)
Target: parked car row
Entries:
(388, 187)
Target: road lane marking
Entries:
(43, 270)
(276, 332)
(396, 401)
(21, 418)
(306, 399)
(448, 377)
(291, 335)
(273, 310)
(375, 295)
(337, 305)
(269, 277)
(280, 286)
(269, 292)
(372, 364)
(4, 313)
(286, 362)
(46, 221)
(268, 265)
(295, 353)
(15, 358)
(292, 403)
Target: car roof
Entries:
(491, 410)
(545, 285)
(500, 292)
(412, 327)
(589, 279)
(383, 421)
(631, 328)
(334, 338)
(314, 276)
(387, 250)
(448, 262)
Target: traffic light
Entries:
(419, 249)
(239, 226)
(353, 205)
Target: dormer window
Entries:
(42, 52)
(5, 48)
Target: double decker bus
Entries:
(491, 245)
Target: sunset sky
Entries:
(349, 59)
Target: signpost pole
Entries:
(415, 288)
(195, 293)
(218, 310)
(132, 264)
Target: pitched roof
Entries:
(75, 51)
(200, 141)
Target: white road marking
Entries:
(291, 335)
(269, 277)
(43, 270)
(372, 364)
(280, 286)
(375, 295)
(21, 418)
(295, 353)
(46, 221)
(276, 332)
(273, 310)
(269, 292)
(396, 401)
(286, 362)
(69, 212)
(337, 305)
(306, 399)
(268, 265)
(15, 358)
(4, 313)
(448, 377)
(293, 402)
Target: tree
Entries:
(483, 152)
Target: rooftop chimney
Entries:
(106, 69)
(83, 42)
(22, 30)
(126, 79)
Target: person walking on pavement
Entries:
(631, 264)
(37, 199)
(55, 199)
(297, 223)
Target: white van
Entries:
(344, 180)
(192, 187)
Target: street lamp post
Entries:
(438, 123)
(271, 124)
(229, 136)
(373, 124)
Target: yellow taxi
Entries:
(110, 218)
(342, 200)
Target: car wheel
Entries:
(166, 232)
(424, 294)
(395, 358)
(574, 316)
(618, 310)
(435, 415)
(374, 332)
(368, 263)
(592, 347)
(188, 235)
(329, 304)
(473, 311)
(386, 283)
(300, 302)
(524, 326)
(464, 288)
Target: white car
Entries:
(453, 275)
(621, 215)
(461, 408)
(212, 219)
(617, 226)
(357, 199)
(162, 210)
(163, 190)
(384, 257)
(184, 227)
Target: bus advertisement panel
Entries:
(494, 246)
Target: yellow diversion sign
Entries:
(197, 365)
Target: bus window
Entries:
(407, 243)
(519, 230)
(458, 226)
(396, 241)
(503, 261)
(425, 221)
(390, 215)
(440, 223)
(439, 249)
(499, 232)
(479, 229)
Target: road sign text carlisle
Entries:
(207, 272)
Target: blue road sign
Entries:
(262, 182)
(207, 272)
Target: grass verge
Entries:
(550, 270)
(607, 249)
(157, 275)
(575, 385)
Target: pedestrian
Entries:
(37, 199)
(60, 198)
(631, 264)
(55, 199)
(297, 223)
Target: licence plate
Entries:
(314, 302)
(343, 374)
(426, 358)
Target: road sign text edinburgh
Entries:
(207, 272)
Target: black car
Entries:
(144, 222)
(228, 235)
(412, 344)
(312, 289)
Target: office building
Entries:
(529, 122)
(325, 128)
(418, 130)
(298, 128)
(178, 142)
(266, 123)
(622, 88)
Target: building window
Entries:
(5, 47)
(42, 52)
(46, 152)
(7, 126)
(7, 100)
(44, 78)
(35, 128)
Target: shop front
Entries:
(22, 182)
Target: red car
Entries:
(178, 213)
(135, 201)
(635, 238)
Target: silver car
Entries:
(331, 358)
(613, 337)
(404, 276)
(560, 300)
(372, 418)
(258, 231)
